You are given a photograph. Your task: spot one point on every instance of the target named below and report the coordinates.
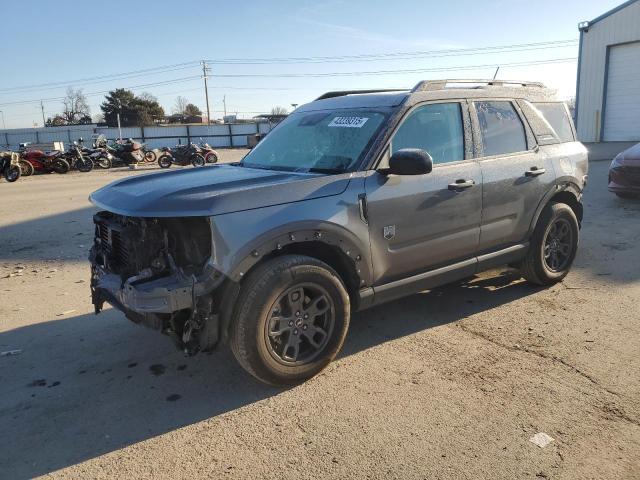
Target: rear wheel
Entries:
(553, 246)
(26, 169)
(197, 160)
(150, 156)
(291, 320)
(12, 173)
(165, 161)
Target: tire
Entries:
(104, 163)
(197, 160)
(61, 166)
(627, 196)
(165, 161)
(211, 157)
(150, 156)
(26, 168)
(549, 261)
(85, 165)
(268, 355)
(12, 173)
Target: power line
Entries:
(395, 72)
(399, 55)
(292, 60)
(98, 79)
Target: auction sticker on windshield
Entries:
(348, 122)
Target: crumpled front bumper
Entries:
(146, 294)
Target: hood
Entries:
(212, 190)
(629, 158)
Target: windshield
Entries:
(326, 142)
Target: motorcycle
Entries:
(76, 158)
(181, 155)
(10, 166)
(210, 155)
(44, 162)
(99, 156)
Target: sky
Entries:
(50, 46)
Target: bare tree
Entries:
(180, 105)
(279, 111)
(76, 107)
(147, 97)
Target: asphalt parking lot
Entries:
(450, 383)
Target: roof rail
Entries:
(355, 92)
(429, 85)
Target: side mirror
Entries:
(410, 161)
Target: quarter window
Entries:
(501, 128)
(436, 128)
(556, 115)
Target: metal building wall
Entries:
(621, 26)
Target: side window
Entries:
(501, 128)
(556, 115)
(436, 128)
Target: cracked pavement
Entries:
(450, 383)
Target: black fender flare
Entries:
(326, 233)
(567, 186)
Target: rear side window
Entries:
(436, 128)
(501, 128)
(556, 115)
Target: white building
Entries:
(608, 88)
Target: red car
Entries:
(624, 173)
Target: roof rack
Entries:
(355, 92)
(430, 85)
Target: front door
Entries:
(418, 223)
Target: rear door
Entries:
(420, 222)
(516, 174)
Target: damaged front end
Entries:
(160, 273)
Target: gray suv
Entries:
(357, 198)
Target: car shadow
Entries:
(88, 385)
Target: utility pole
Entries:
(495, 75)
(224, 102)
(42, 108)
(205, 72)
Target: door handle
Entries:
(461, 184)
(534, 172)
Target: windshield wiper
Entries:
(325, 170)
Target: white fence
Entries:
(217, 135)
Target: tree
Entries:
(134, 111)
(57, 121)
(76, 107)
(148, 97)
(279, 111)
(192, 111)
(180, 105)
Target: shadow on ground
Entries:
(88, 385)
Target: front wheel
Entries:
(26, 169)
(12, 173)
(61, 166)
(554, 245)
(211, 157)
(104, 162)
(197, 160)
(85, 165)
(291, 319)
(165, 161)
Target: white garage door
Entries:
(622, 111)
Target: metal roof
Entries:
(610, 12)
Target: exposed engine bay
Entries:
(158, 271)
